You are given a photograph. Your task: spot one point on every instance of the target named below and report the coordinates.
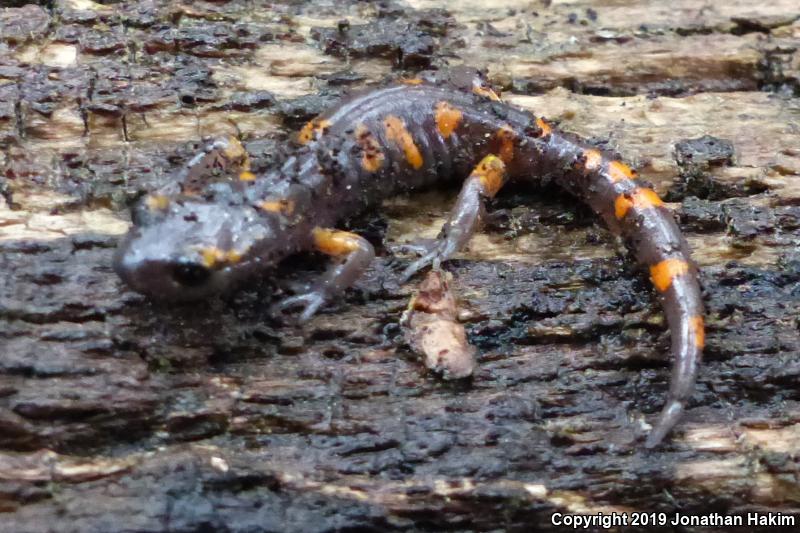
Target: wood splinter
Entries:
(431, 327)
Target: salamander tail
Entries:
(669, 417)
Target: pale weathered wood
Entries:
(120, 415)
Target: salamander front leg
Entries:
(484, 182)
(353, 254)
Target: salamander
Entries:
(193, 240)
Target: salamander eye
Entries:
(190, 274)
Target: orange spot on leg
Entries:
(662, 273)
(491, 172)
(447, 118)
(397, 133)
(334, 242)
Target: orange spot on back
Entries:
(662, 273)
(698, 330)
(505, 136)
(618, 171)
(593, 159)
(411, 81)
(447, 118)
(372, 156)
(247, 176)
(334, 242)
(491, 172)
(544, 127)
(312, 130)
(641, 198)
(397, 133)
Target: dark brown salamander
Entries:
(196, 241)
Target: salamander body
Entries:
(189, 242)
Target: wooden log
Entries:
(118, 414)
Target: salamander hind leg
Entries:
(352, 254)
(485, 180)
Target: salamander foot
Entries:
(309, 302)
(434, 256)
(418, 247)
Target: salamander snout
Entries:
(165, 277)
(195, 249)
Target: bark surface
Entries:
(120, 415)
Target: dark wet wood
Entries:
(114, 411)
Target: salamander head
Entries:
(187, 249)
